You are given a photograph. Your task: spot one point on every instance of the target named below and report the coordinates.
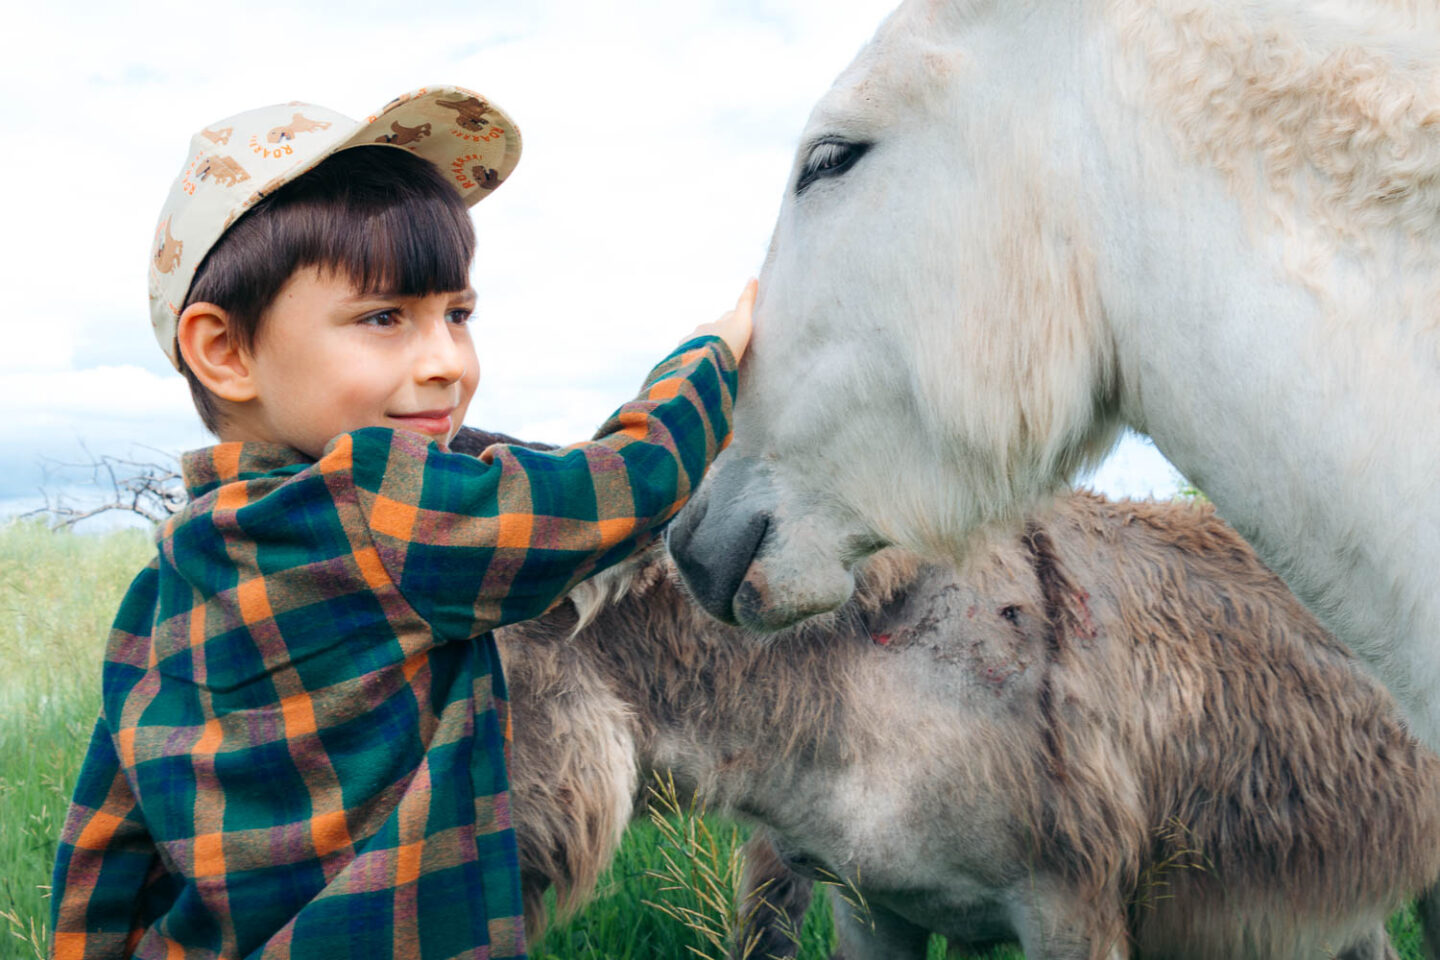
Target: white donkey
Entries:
(1014, 227)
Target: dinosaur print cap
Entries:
(235, 162)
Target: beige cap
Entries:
(235, 162)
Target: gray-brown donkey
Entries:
(1115, 735)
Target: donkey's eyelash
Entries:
(829, 157)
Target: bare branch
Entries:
(151, 489)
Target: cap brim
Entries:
(474, 143)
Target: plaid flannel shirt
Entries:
(301, 750)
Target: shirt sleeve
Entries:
(475, 543)
(106, 864)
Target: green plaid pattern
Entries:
(301, 750)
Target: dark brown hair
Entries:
(383, 217)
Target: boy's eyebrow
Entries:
(467, 297)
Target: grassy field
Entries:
(58, 592)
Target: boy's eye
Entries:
(459, 315)
(385, 318)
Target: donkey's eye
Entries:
(829, 158)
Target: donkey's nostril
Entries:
(749, 603)
(713, 557)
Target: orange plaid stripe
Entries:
(516, 531)
(253, 600)
(413, 665)
(210, 738)
(99, 831)
(636, 426)
(665, 390)
(393, 518)
(232, 496)
(329, 832)
(68, 946)
(299, 714)
(617, 529)
(125, 744)
(340, 459)
(371, 568)
(407, 862)
(209, 855)
(197, 624)
(227, 460)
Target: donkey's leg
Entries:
(1428, 910)
(1056, 923)
(875, 934)
(773, 903)
(1374, 945)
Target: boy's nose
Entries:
(442, 356)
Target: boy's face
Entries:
(329, 359)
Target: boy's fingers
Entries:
(747, 296)
(734, 325)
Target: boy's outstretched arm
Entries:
(476, 543)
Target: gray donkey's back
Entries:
(1115, 734)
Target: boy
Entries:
(301, 747)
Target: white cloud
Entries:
(101, 392)
(35, 343)
(658, 140)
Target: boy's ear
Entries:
(214, 354)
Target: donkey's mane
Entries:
(1324, 120)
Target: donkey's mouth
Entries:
(745, 563)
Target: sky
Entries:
(658, 138)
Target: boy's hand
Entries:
(734, 327)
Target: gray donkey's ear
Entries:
(473, 442)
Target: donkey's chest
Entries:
(904, 881)
(941, 856)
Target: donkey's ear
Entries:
(473, 442)
(959, 14)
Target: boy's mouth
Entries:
(429, 422)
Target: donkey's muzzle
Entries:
(713, 553)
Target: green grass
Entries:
(58, 592)
(618, 924)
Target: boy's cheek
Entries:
(468, 385)
(471, 379)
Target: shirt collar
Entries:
(205, 470)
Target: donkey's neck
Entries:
(1305, 407)
(741, 725)
(1276, 312)
(1330, 479)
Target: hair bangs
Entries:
(391, 224)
